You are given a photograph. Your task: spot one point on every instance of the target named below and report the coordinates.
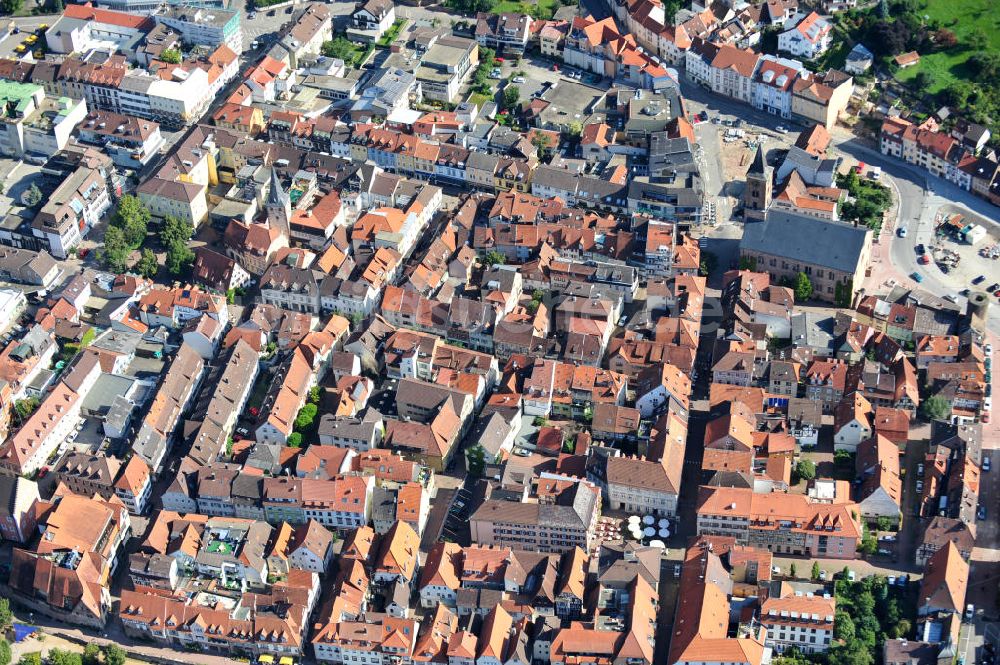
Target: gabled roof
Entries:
(945, 581)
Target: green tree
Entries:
(91, 654)
(175, 231)
(132, 217)
(171, 56)
(884, 523)
(574, 129)
(295, 440)
(23, 408)
(63, 657)
(114, 255)
(477, 460)
(341, 47)
(6, 616)
(511, 96)
(314, 395)
(11, 6)
(147, 265)
(179, 259)
(541, 142)
(307, 414)
(852, 652)
(815, 571)
(843, 626)
(793, 571)
(869, 545)
(32, 197)
(709, 262)
(114, 655)
(806, 469)
(935, 407)
(842, 294)
(748, 263)
(5, 655)
(901, 629)
(977, 41)
(33, 658)
(493, 257)
(803, 287)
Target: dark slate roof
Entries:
(807, 240)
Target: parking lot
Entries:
(267, 22)
(960, 263)
(28, 39)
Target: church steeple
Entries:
(279, 203)
(759, 166)
(757, 195)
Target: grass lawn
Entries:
(361, 54)
(543, 9)
(961, 17)
(390, 35)
(479, 100)
(835, 57)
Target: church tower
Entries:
(279, 205)
(757, 195)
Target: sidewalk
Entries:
(60, 636)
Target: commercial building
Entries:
(66, 574)
(33, 124)
(76, 206)
(129, 141)
(203, 26)
(546, 526)
(445, 66)
(780, 523)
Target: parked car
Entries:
(993, 287)
(981, 513)
(979, 280)
(920, 469)
(916, 277)
(781, 130)
(986, 464)
(901, 232)
(920, 487)
(921, 249)
(519, 79)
